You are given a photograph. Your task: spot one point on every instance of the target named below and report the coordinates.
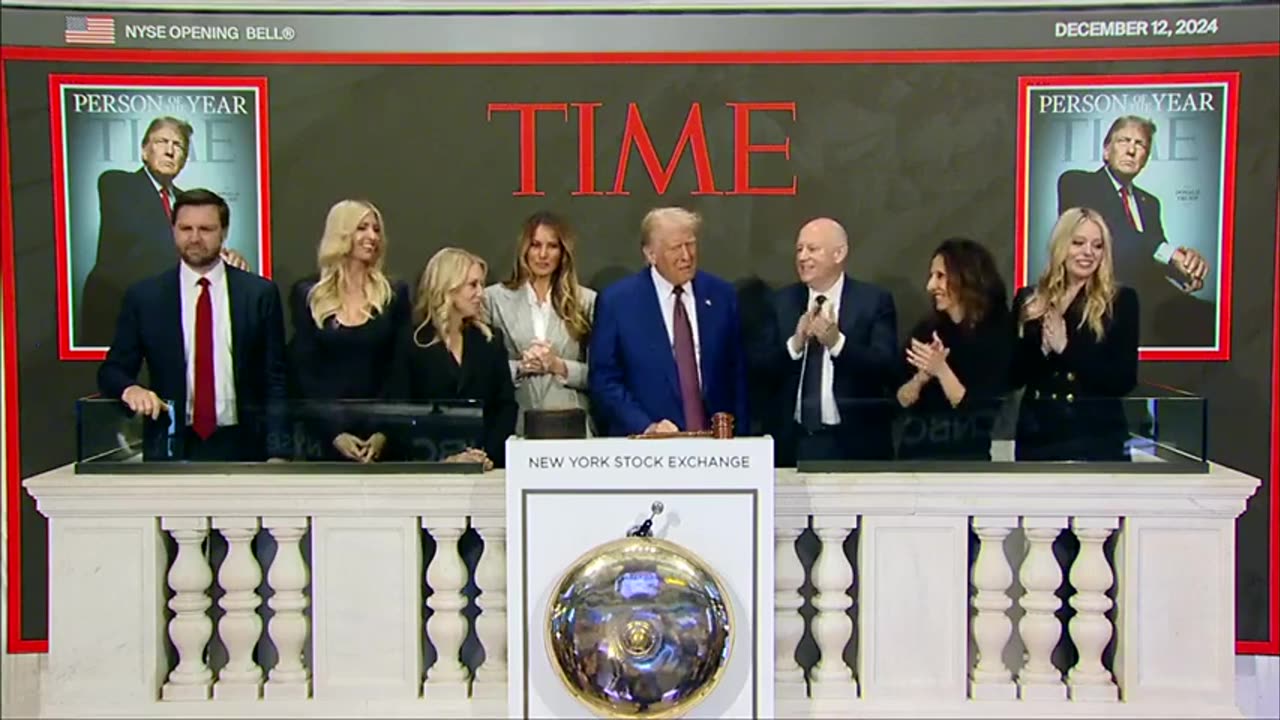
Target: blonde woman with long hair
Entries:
(456, 354)
(349, 324)
(545, 315)
(1076, 348)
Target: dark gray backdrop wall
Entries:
(903, 155)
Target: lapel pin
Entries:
(708, 302)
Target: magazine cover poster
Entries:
(123, 148)
(1154, 156)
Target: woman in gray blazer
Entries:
(545, 317)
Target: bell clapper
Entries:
(645, 529)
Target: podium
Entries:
(565, 497)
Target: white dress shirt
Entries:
(831, 309)
(540, 311)
(224, 381)
(1162, 253)
(667, 302)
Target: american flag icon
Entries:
(90, 30)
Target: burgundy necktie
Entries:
(1128, 212)
(204, 416)
(695, 416)
(164, 198)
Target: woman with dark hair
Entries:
(956, 359)
(545, 315)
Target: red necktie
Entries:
(695, 416)
(164, 198)
(1124, 200)
(204, 417)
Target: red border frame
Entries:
(119, 55)
(1225, 285)
(56, 133)
(1271, 646)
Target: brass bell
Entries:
(639, 627)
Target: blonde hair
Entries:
(325, 298)
(446, 271)
(1099, 290)
(566, 292)
(677, 216)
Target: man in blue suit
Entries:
(666, 350)
(212, 339)
(833, 345)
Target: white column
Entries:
(491, 624)
(240, 626)
(1090, 629)
(832, 678)
(788, 623)
(1039, 627)
(190, 628)
(447, 627)
(290, 679)
(990, 678)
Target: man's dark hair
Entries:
(200, 196)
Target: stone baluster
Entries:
(491, 624)
(1039, 627)
(447, 627)
(288, 576)
(240, 626)
(832, 678)
(1090, 629)
(190, 628)
(788, 623)
(990, 678)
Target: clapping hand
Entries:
(1053, 333)
(928, 358)
(823, 327)
(540, 359)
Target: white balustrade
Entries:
(788, 623)
(1039, 628)
(290, 679)
(1090, 629)
(447, 627)
(832, 678)
(240, 626)
(491, 624)
(190, 628)
(992, 576)
(363, 585)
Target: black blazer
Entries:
(979, 357)
(864, 369)
(337, 363)
(483, 374)
(1169, 316)
(1071, 409)
(149, 329)
(135, 241)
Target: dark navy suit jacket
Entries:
(149, 330)
(135, 241)
(632, 376)
(863, 370)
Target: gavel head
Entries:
(722, 426)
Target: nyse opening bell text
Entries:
(252, 33)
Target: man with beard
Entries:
(134, 229)
(212, 338)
